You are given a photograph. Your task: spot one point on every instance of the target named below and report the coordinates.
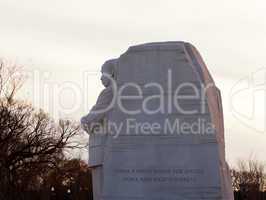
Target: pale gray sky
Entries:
(66, 38)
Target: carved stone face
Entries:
(105, 80)
(107, 72)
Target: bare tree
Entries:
(11, 80)
(249, 173)
(31, 142)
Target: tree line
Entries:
(32, 144)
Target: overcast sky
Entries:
(57, 41)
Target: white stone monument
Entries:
(164, 137)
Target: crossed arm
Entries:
(98, 111)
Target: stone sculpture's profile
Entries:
(96, 117)
(167, 140)
(100, 110)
